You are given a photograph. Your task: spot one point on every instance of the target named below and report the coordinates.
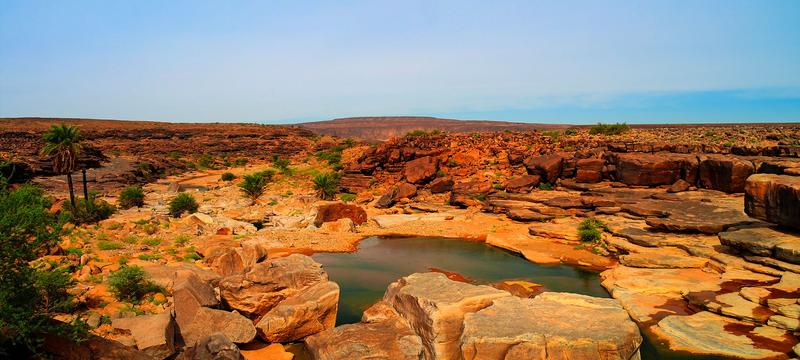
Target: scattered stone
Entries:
(522, 184)
(394, 194)
(547, 327)
(679, 186)
(470, 193)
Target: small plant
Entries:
(74, 251)
(545, 186)
(589, 230)
(254, 185)
(326, 185)
(152, 241)
(282, 165)
(131, 284)
(346, 197)
(183, 203)
(552, 134)
(240, 162)
(114, 226)
(417, 133)
(148, 257)
(108, 245)
(205, 161)
(131, 196)
(570, 132)
(181, 240)
(451, 163)
(91, 211)
(130, 239)
(150, 228)
(228, 176)
(609, 129)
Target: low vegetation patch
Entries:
(326, 185)
(183, 203)
(253, 185)
(89, 211)
(131, 196)
(590, 230)
(282, 165)
(609, 129)
(131, 284)
(347, 197)
(228, 176)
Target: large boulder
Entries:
(442, 185)
(336, 211)
(395, 193)
(382, 334)
(724, 173)
(434, 306)
(268, 283)
(196, 321)
(308, 312)
(153, 334)
(422, 170)
(522, 184)
(470, 193)
(227, 259)
(550, 326)
(774, 198)
(655, 169)
(764, 241)
(589, 170)
(547, 166)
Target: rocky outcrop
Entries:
(421, 170)
(382, 334)
(547, 166)
(774, 198)
(336, 211)
(655, 169)
(268, 283)
(154, 335)
(522, 184)
(396, 193)
(306, 313)
(589, 170)
(550, 326)
(213, 347)
(434, 307)
(441, 185)
(724, 173)
(764, 241)
(469, 193)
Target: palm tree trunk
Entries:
(71, 190)
(85, 189)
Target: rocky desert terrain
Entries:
(694, 231)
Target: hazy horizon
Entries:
(286, 62)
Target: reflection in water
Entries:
(364, 275)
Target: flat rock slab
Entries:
(764, 241)
(660, 260)
(154, 334)
(551, 326)
(697, 216)
(434, 306)
(712, 334)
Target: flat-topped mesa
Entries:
(774, 198)
(427, 315)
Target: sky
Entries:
(279, 61)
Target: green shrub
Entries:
(332, 157)
(92, 211)
(545, 186)
(240, 162)
(206, 161)
(131, 284)
(552, 134)
(152, 241)
(181, 240)
(589, 230)
(74, 251)
(254, 185)
(282, 165)
(346, 197)
(228, 176)
(570, 132)
(609, 129)
(148, 257)
(131, 196)
(326, 185)
(30, 298)
(183, 203)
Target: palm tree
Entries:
(63, 143)
(326, 185)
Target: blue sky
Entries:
(287, 61)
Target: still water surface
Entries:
(364, 275)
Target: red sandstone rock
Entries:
(548, 166)
(469, 193)
(523, 184)
(590, 170)
(336, 211)
(399, 191)
(422, 170)
(655, 169)
(441, 185)
(774, 198)
(724, 173)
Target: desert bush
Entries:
(326, 185)
(89, 211)
(131, 196)
(545, 186)
(570, 132)
(253, 185)
(206, 161)
(183, 203)
(108, 245)
(609, 129)
(240, 162)
(131, 284)
(282, 165)
(228, 176)
(589, 230)
(29, 298)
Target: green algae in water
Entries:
(363, 276)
